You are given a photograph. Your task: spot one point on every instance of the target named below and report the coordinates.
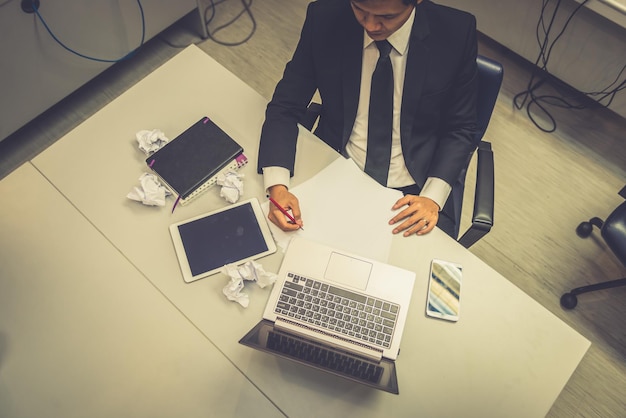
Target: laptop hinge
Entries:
(353, 347)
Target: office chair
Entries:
(613, 231)
(490, 74)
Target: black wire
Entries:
(209, 14)
(542, 45)
(537, 103)
(611, 93)
(545, 50)
(67, 48)
(246, 10)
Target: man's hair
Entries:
(407, 2)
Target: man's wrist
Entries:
(436, 190)
(276, 188)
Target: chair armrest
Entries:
(482, 218)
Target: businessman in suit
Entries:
(431, 121)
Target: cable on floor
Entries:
(209, 14)
(538, 103)
(246, 10)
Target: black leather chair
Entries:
(613, 231)
(490, 74)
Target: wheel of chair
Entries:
(584, 229)
(569, 301)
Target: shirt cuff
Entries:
(275, 175)
(437, 190)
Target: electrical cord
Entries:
(246, 10)
(209, 14)
(537, 103)
(67, 48)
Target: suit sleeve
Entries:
(292, 95)
(457, 132)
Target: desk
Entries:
(507, 356)
(83, 334)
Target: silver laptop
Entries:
(336, 312)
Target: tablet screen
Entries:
(229, 235)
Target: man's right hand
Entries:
(289, 202)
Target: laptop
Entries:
(336, 312)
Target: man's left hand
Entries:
(419, 217)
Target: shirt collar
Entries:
(399, 39)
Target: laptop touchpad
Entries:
(348, 271)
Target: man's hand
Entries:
(289, 202)
(420, 215)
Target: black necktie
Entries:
(380, 118)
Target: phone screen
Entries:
(444, 290)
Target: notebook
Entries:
(336, 312)
(190, 163)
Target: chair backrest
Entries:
(614, 232)
(490, 74)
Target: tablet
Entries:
(233, 234)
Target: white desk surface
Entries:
(84, 334)
(507, 356)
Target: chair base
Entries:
(569, 300)
(586, 228)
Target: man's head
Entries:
(381, 18)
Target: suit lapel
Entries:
(351, 73)
(415, 73)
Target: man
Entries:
(432, 118)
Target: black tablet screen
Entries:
(222, 238)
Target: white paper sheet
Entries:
(344, 208)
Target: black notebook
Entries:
(190, 163)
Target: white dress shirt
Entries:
(434, 188)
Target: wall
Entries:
(590, 54)
(36, 73)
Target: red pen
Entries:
(284, 211)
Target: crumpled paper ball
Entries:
(232, 185)
(151, 141)
(250, 271)
(150, 192)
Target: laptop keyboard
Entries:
(324, 358)
(357, 316)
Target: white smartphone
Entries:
(444, 290)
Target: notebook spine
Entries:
(238, 162)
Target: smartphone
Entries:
(444, 290)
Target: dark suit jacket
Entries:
(439, 100)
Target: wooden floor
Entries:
(546, 183)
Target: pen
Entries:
(175, 203)
(284, 211)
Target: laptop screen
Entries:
(265, 337)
